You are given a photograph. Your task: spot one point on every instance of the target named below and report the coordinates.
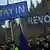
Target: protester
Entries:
(46, 45)
(16, 47)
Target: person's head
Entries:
(44, 36)
(46, 41)
(15, 45)
(47, 37)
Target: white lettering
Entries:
(45, 19)
(6, 12)
(35, 20)
(10, 10)
(16, 10)
(40, 19)
(30, 20)
(21, 9)
(1, 11)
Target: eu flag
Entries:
(23, 42)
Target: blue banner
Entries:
(16, 10)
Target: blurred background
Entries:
(31, 31)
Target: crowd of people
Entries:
(42, 43)
(9, 46)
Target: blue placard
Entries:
(16, 10)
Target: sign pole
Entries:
(21, 26)
(11, 29)
(5, 34)
(12, 34)
(10, 24)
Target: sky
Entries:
(4, 2)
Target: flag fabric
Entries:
(23, 42)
